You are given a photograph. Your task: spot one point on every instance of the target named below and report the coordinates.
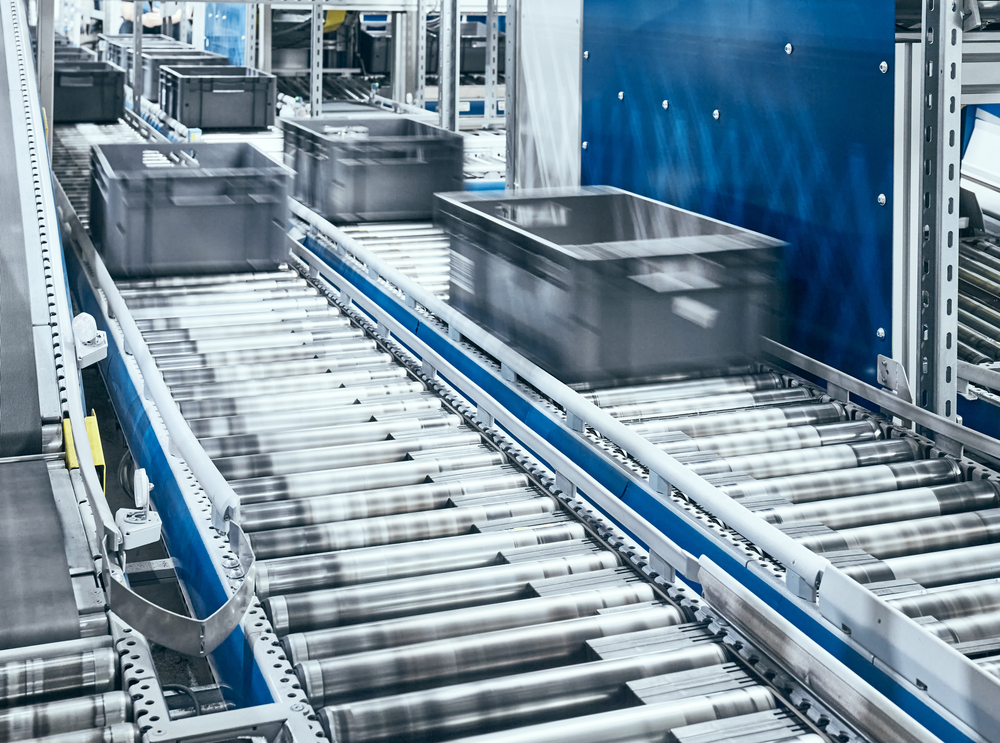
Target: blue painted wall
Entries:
(801, 150)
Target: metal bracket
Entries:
(674, 560)
(658, 483)
(892, 376)
(564, 484)
(507, 373)
(800, 587)
(428, 369)
(91, 343)
(838, 393)
(948, 445)
(484, 416)
(575, 422)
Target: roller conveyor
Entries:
(400, 554)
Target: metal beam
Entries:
(264, 26)
(940, 174)
(492, 60)
(45, 61)
(449, 68)
(316, 60)
(136, 58)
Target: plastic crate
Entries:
(153, 60)
(597, 284)
(92, 92)
(375, 51)
(171, 209)
(74, 54)
(372, 169)
(217, 97)
(115, 46)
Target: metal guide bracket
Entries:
(949, 445)
(565, 484)
(428, 370)
(575, 422)
(838, 393)
(658, 483)
(484, 416)
(507, 373)
(667, 559)
(892, 376)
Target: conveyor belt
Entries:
(424, 585)
(979, 300)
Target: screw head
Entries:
(883, 67)
(716, 114)
(666, 105)
(586, 55)
(880, 333)
(789, 49)
(881, 199)
(584, 145)
(621, 95)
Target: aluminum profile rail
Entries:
(880, 636)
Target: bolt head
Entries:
(584, 145)
(882, 199)
(621, 95)
(716, 114)
(883, 67)
(789, 48)
(666, 105)
(880, 333)
(586, 55)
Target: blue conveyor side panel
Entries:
(801, 150)
(233, 659)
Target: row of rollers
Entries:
(928, 541)
(65, 692)
(979, 301)
(348, 525)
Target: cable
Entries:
(181, 689)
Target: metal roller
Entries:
(385, 502)
(265, 355)
(820, 459)
(645, 724)
(246, 320)
(124, 733)
(335, 457)
(778, 439)
(841, 483)
(967, 629)
(65, 716)
(238, 293)
(676, 390)
(299, 400)
(235, 425)
(368, 477)
(978, 309)
(457, 659)
(167, 349)
(248, 285)
(332, 570)
(429, 593)
(282, 385)
(949, 602)
(693, 405)
(745, 421)
(171, 282)
(39, 679)
(391, 633)
(55, 649)
(507, 701)
(967, 353)
(315, 322)
(949, 567)
(900, 505)
(228, 308)
(404, 527)
(980, 326)
(371, 430)
(298, 367)
(912, 537)
(979, 341)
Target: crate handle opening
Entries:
(70, 80)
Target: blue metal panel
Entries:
(801, 150)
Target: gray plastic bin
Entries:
(92, 92)
(218, 97)
(117, 46)
(169, 209)
(599, 284)
(154, 59)
(372, 169)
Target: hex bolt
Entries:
(882, 199)
(716, 114)
(584, 145)
(666, 105)
(883, 67)
(880, 333)
(621, 95)
(788, 49)
(586, 55)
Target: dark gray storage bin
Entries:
(92, 92)
(215, 97)
(74, 54)
(169, 209)
(374, 49)
(117, 46)
(372, 169)
(599, 284)
(153, 60)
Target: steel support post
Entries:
(45, 61)
(316, 61)
(492, 62)
(401, 63)
(419, 27)
(510, 98)
(450, 46)
(185, 29)
(264, 26)
(250, 35)
(940, 175)
(137, 58)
